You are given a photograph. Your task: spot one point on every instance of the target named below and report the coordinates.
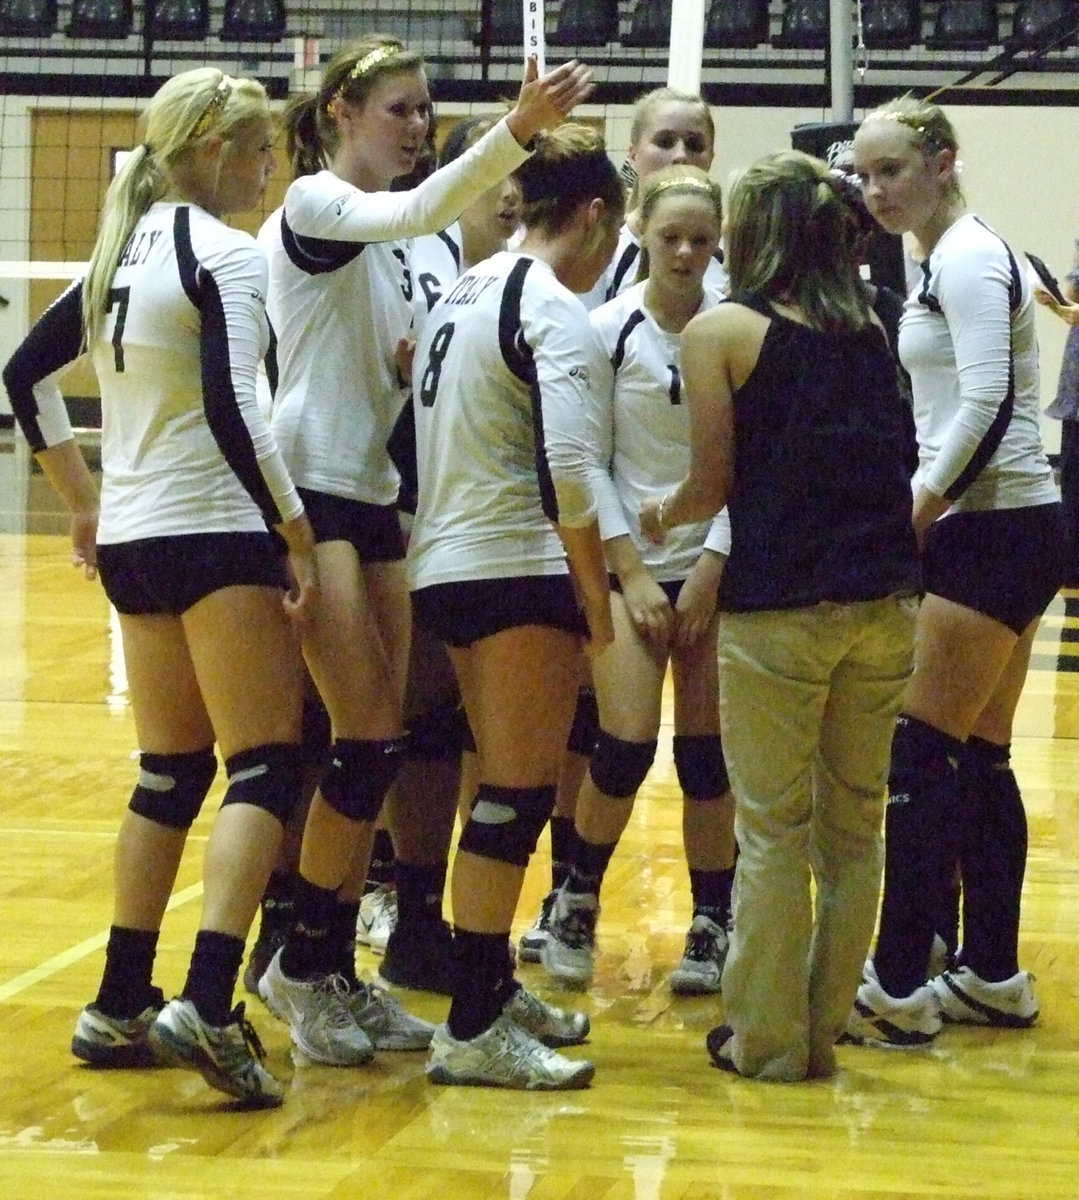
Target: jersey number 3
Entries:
(432, 372)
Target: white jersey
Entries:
(501, 382)
(184, 448)
(967, 339)
(621, 272)
(341, 295)
(640, 441)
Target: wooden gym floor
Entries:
(985, 1114)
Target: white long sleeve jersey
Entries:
(184, 448)
(501, 381)
(967, 339)
(341, 294)
(640, 439)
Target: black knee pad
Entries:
(619, 768)
(436, 734)
(360, 774)
(315, 733)
(266, 776)
(698, 761)
(172, 787)
(505, 823)
(585, 728)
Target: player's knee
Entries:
(505, 823)
(360, 774)
(267, 777)
(618, 767)
(700, 766)
(585, 728)
(172, 787)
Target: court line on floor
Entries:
(58, 962)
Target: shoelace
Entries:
(578, 929)
(251, 1039)
(336, 989)
(701, 946)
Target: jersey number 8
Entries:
(436, 354)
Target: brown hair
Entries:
(791, 237)
(568, 165)
(310, 128)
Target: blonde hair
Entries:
(186, 112)
(930, 129)
(791, 239)
(679, 179)
(569, 165)
(311, 135)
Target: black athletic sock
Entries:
(420, 889)
(381, 868)
(211, 977)
(276, 909)
(309, 951)
(589, 865)
(483, 982)
(126, 988)
(922, 804)
(993, 856)
(562, 836)
(711, 892)
(343, 939)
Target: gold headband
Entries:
(901, 118)
(365, 64)
(214, 106)
(689, 181)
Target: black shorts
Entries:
(671, 588)
(1007, 563)
(463, 613)
(373, 530)
(171, 574)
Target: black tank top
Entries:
(821, 504)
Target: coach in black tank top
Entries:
(798, 426)
(822, 505)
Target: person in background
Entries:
(664, 601)
(988, 519)
(796, 423)
(501, 375)
(1065, 409)
(172, 314)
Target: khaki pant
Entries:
(808, 701)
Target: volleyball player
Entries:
(501, 376)
(664, 606)
(988, 517)
(422, 806)
(339, 301)
(669, 128)
(172, 314)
